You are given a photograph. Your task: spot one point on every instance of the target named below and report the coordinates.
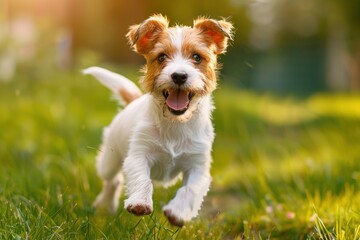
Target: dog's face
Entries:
(181, 61)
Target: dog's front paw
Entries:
(174, 220)
(139, 208)
(178, 214)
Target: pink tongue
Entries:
(177, 99)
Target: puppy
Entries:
(165, 134)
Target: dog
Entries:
(166, 133)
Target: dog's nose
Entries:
(179, 77)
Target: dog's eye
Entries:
(162, 57)
(196, 57)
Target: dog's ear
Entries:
(142, 37)
(216, 32)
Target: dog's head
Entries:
(181, 61)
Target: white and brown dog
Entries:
(166, 133)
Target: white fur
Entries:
(144, 145)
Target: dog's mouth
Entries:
(177, 100)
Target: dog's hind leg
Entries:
(110, 194)
(109, 170)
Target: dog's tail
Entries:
(124, 89)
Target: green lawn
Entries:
(284, 168)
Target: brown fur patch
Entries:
(216, 32)
(128, 96)
(144, 36)
(153, 67)
(194, 43)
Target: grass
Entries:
(284, 167)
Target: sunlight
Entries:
(290, 112)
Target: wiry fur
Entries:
(148, 141)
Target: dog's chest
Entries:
(172, 155)
(166, 166)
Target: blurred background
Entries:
(285, 46)
(287, 118)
